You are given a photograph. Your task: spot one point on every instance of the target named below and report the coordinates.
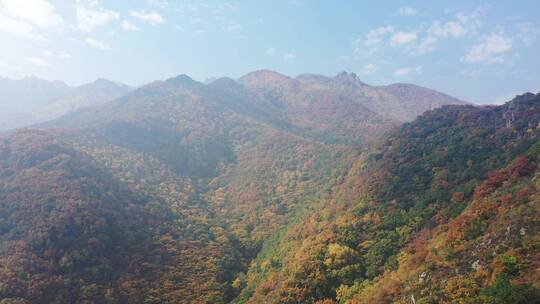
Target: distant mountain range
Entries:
(336, 110)
(32, 100)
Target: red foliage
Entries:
(419, 245)
(521, 167)
(506, 199)
(456, 228)
(494, 180)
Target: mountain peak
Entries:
(262, 77)
(526, 97)
(102, 80)
(224, 82)
(103, 84)
(349, 79)
(182, 80)
(523, 100)
(36, 80)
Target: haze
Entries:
(468, 49)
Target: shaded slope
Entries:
(73, 232)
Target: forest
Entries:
(272, 189)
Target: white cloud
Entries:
(402, 71)
(94, 43)
(369, 69)
(408, 11)
(384, 35)
(289, 57)
(19, 28)
(24, 18)
(59, 54)
(3, 65)
(372, 41)
(473, 20)
(405, 71)
(151, 17)
(377, 36)
(402, 38)
(426, 38)
(270, 51)
(427, 45)
(64, 54)
(439, 30)
(92, 16)
(219, 14)
(41, 13)
(37, 62)
(527, 32)
(160, 3)
(273, 52)
(462, 26)
(448, 29)
(231, 26)
(128, 26)
(490, 49)
(470, 73)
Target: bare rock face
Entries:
(348, 79)
(476, 265)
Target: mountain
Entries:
(401, 102)
(424, 99)
(32, 100)
(446, 210)
(338, 107)
(21, 97)
(30, 92)
(85, 96)
(188, 192)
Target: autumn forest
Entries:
(269, 189)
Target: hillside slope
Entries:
(445, 212)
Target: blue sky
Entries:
(479, 51)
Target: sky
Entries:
(479, 51)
